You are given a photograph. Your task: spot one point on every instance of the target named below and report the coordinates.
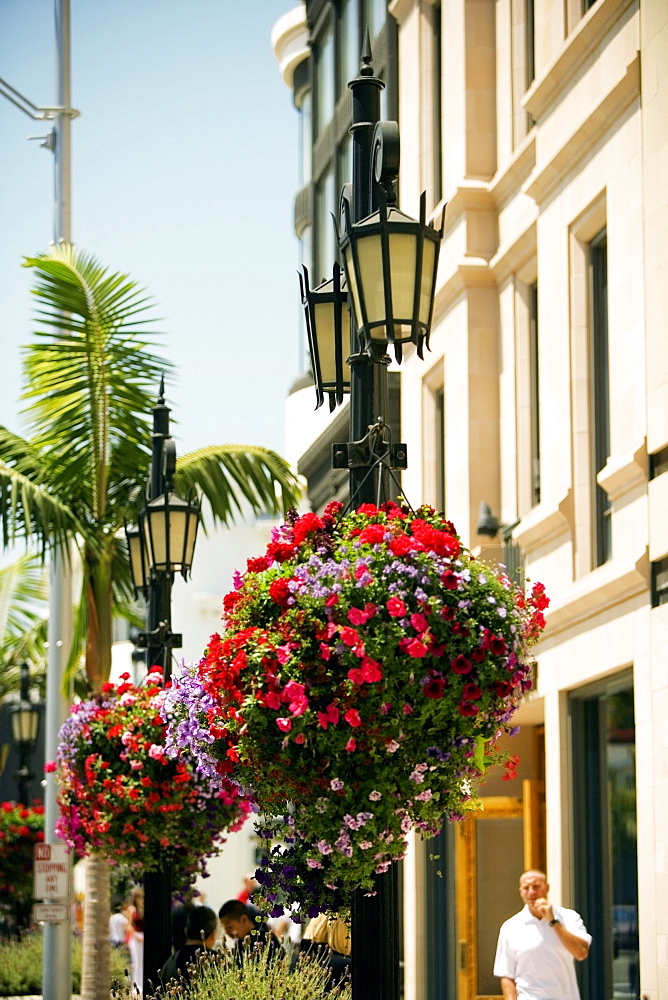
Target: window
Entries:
(440, 946)
(534, 394)
(530, 42)
(605, 838)
(659, 582)
(324, 79)
(600, 392)
(437, 103)
(325, 247)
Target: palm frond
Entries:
(91, 381)
(23, 619)
(29, 510)
(232, 476)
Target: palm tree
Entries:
(90, 377)
(23, 621)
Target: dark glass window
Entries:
(439, 441)
(600, 390)
(325, 78)
(534, 394)
(437, 105)
(531, 42)
(440, 947)
(659, 582)
(605, 837)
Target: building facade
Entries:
(538, 422)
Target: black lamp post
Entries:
(390, 262)
(24, 715)
(161, 545)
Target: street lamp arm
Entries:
(33, 111)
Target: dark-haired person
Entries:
(201, 934)
(245, 924)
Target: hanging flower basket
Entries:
(122, 796)
(21, 827)
(366, 671)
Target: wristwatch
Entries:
(554, 921)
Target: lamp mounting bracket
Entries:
(374, 449)
(160, 636)
(386, 156)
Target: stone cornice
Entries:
(584, 138)
(578, 47)
(600, 590)
(623, 473)
(544, 522)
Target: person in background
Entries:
(250, 886)
(136, 938)
(328, 940)
(201, 934)
(536, 947)
(119, 925)
(245, 924)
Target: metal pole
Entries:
(57, 960)
(158, 885)
(375, 919)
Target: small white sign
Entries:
(50, 913)
(51, 871)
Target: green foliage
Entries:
(21, 966)
(90, 381)
(259, 979)
(23, 622)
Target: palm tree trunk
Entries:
(99, 602)
(95, 960)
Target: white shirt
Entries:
(530, 952)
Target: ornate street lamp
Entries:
(390, 262)
(326, 312)
(169, 528)
(24, 716)
(160, 546)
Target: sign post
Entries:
(51, 872)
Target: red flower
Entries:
(460, 665)
(450, 580)
(352, 717)
(467, 708)
(257, 565)
(373, 534)
(395, 607)
(413, 647)
(434, 687)
(279, 591)
(304, 525)
(471, 692)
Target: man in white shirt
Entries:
(536, 947)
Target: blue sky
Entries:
(184, 175)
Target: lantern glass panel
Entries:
(370, 259)
(25, 723)
(403, 259)
(324, 317)
(427, 280)
(138, 562)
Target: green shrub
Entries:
(259, 979)
(21, 965)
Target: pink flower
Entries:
(395, 607)
(351, 745)
(273, 700)
(357, 617)
(329, 717)
(50, 766)
(352, 717)
(285, 725)
(419, 622)
(414, 648)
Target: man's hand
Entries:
(543, 909)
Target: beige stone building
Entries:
(538, 422)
